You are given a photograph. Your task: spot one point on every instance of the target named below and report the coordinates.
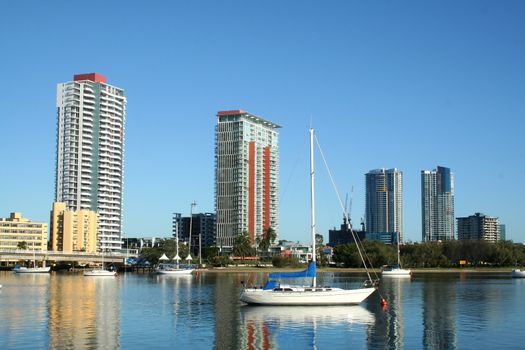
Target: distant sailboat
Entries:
(101, 272)
(396, 270)
(34, 269)
(274, 293)
(166, 268)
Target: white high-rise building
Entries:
(437, 204)
(90, 152)
(384, 202)
(246, 176)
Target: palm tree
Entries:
(243, 246)
(267, 239)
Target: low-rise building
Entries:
(18, 232)
(73, 231)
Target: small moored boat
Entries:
(100, 272)
(517, 273)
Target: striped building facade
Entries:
(246, 176)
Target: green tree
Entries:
(347, 255)
(211, 252)
(267, 240)
(21, 245)
(243, 246)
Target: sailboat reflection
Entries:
(319, 314)
(263, 326)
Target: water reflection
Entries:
(84, 312)
(265, 327)
(23, 313)
(389, 330)
(139, 311)
(439, 318)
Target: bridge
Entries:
(50, 256)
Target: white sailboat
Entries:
(396, 270)
(275, 293)
(517, 273)
(100, 272)
(165, 268)
(34, 268)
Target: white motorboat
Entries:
(517, 273)
(274, 293)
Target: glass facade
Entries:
(437, 204)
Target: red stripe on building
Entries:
(95, 77)
(230, 112)
(251, 191)
(266, 188)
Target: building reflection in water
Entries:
(226, 293)
(389, 330)
(84, 312)
(439, 319)
(25, 311)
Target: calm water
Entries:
(135, 311)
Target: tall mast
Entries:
(312, 193)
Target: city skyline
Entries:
(384, 84)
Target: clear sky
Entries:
(404, 84)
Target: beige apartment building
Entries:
(17, 231)
(73, 231)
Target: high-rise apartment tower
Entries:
(246, 176)
(437, 204)
(90, 152)
(384, 202)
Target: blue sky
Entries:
(405, 84)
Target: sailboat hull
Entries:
(174, 272)
(396, 272)
(100, 273)
(23, 269)
(517, 273)
(305, 296)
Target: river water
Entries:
(146, 311)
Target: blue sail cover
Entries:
(309, 272)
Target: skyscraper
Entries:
(246, 176)
(437, 204)
(90, 152)
(384, 202)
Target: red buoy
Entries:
(383, 302)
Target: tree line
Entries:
(434, 254)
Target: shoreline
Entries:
(237, 269)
